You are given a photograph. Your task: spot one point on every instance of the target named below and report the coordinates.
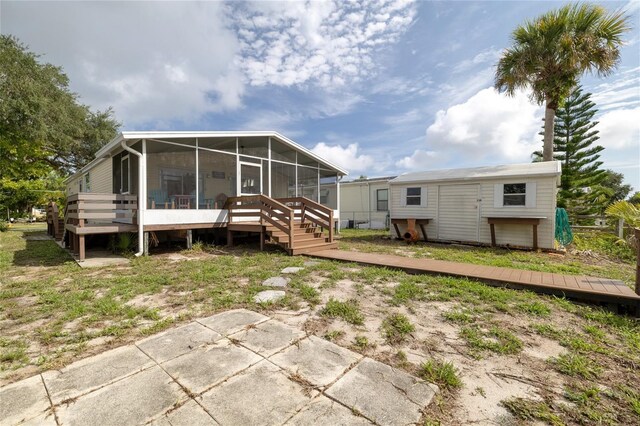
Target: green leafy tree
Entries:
(550, 53)
(573, 145)
(635, 198)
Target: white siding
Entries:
(358, 202)
(73, 186)
(516, 235)
(101, 177)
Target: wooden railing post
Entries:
(636, 232)
(331, 226)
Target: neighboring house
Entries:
(182, 180)
(461, 204)
(364, 203)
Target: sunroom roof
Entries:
(188, 134)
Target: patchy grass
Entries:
(495, 339)
(530, 410)
(573, 364)
(396, 327)
(348, 311)
(442, 373)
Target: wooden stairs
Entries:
(307, 238)
(296, 224)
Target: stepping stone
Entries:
(269, 296)
(269, 337)
(276, 282)
(232, 321)
(190, 414)
(205, 367)
(178, 341)
(291, 270)
(134, 400)
(383, 394)
(23, 400)
(310, 263)
(323, 411)
(261, 395)
(316, 360)
(92, 373)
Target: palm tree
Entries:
(550, 54)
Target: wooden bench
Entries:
(515, 220)
(404, 221)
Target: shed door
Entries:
(458, 212)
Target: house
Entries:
(364, 203)
(510, 205)
(167, 181)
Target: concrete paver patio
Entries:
(237, 367)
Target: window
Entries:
(124, 176)
(414, 196)
(87, 182)
(515, 194)
(382, 200)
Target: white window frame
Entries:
(378, 199)
(530, 195)
(239, 180)
(418, 197)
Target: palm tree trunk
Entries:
(549, 122)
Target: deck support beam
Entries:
(146, 244)
(189, 239)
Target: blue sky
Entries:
(379, 88)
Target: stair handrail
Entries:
(272, 211)
(307, 206)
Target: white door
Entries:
(250, 179)
(458, 212)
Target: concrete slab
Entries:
(291, 270)
(23, 400)
(276, 282)
(205, 367)
(177, 341)
(47, 419)
(101, 259)
(383, 394)
(92, 373)
(230, 322)
(269, 296)
(268, 337)
(323, 411)
(261, 395)
(134, 400)
(316, 360)
(190, 414)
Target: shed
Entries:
(509, 205)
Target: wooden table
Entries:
(404, 221)
(515, 220)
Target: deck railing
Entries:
(312, 211)
(53, 223)
(264, 208)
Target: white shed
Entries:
(364, 203)
(463, 205)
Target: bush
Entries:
(4, 226)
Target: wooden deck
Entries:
(573, 286)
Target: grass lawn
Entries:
(498, 355)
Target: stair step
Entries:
(284, 239)
(307, 231)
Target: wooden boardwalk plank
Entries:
(577, 286)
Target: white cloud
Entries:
(619, 129)
(419, 160)
(488, 126)
(326, 43)
(490, 55)
(152, 62)
(349, 158)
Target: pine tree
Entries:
(574, 145)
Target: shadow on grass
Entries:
(41, 253)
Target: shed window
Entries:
(87, 182)
(382, 200)
(515, 194)
(414, 196)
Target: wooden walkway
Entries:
(573, 286)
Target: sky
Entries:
(378, 87)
